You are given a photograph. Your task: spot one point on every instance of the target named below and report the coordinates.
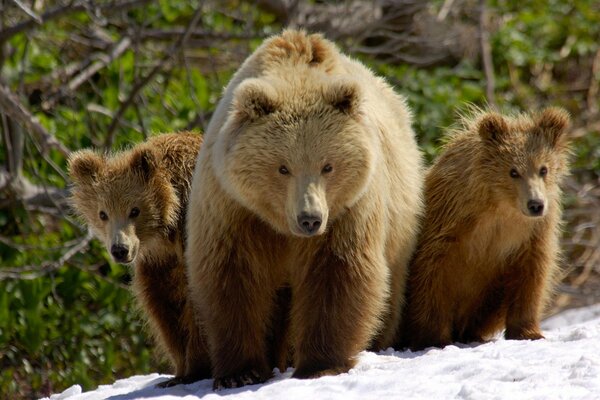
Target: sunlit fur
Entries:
(484, 262)
(298, 102)
(155, 177)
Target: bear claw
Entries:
(178, 380)
(250, 377)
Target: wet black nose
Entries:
(309, 223)
(119, 252)
(535, 207)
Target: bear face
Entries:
(526, 159)
(289, 163)
(124, 200)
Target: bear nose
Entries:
(535, 207)
(119, 252)
(309, 223)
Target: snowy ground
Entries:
(566, 365)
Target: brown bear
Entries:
(135, 201)
(310, 176)
(488, 251)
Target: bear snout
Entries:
(309, 224)
(535, 207)
(120, 252)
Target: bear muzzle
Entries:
(120, 253)
(536, 208)
(309, 224)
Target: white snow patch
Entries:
(565, 365)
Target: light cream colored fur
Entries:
(298, 102)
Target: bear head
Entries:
(297, 152)
(125, 198)
(525, 158)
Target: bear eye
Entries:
(134, 212)
(514, 173)
(103, 216)
(327, 169)
(543, 171)
(283, 170)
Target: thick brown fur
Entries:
(154, 177)
(484, 262)
(302, 129)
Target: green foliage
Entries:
(435, 96)
(78, 323)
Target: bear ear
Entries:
(553, 123)
(144, 163)
(84, 166)
(344, 97)
(492, 127)
(254, 99)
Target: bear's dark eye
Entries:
(134, 212)
(103, 216)
(283, 170)
(514, 173)
(327, 169)
(543, 171)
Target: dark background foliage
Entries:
(108, 74)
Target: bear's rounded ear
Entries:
(144, 163)
(492, 127)
(254, 98)
(553, 123)
(344, 96)
(84, 166)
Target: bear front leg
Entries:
(337, 306)
(527, 286)
(160, 288)
(235, 300)
(197, 360)
(430, 305)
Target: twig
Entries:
(592, 95)
(103, 60)
(11, 106)
(73, 7)
(199, 114)
(144, 81)
(32, 272)
(28, 11)
(445, 10)
(98, 109)
(176, 32)
(486, 54)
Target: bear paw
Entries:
(309, 372)
(523, 334)
(178, 380)
(249, 377)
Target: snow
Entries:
(565, 365)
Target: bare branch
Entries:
(145, 80)
(486, 55)
(11, 106)
(32, 272)
(18, 189)
(75, 6)
(28, 11)
(102, 60)
(445, 10)
(592, 95)
(177, 32)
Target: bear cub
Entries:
(487, 256)
(135, 202)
